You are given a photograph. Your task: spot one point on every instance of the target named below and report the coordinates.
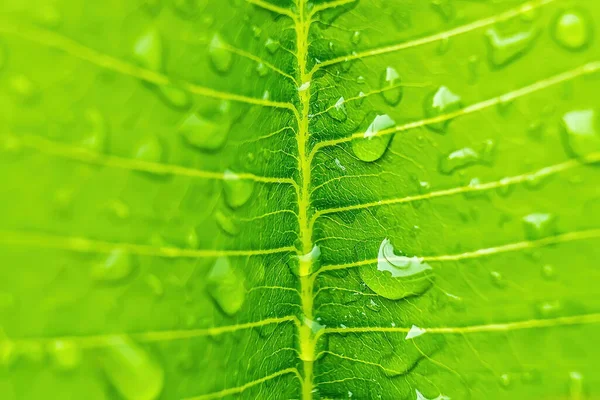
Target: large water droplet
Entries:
(580, 132)
(117, 266)
(148, 50)
(421, 396)
(226, 287)
(539, 225)
(372, 147)
(206, 132)
(390, 86)
(130, 369)
(220, 57)
(571, 30)
(503, 49)
(442, 101)
(237, 191)
(466, 157)
(338, 110)
(65, 354)
(396, 277)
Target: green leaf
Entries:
(299, 200)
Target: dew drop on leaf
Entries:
(396, 276)
(25, 90)
(505, 380)
(504, 49)
(539, 225)
(225, 286)
(220, 57)
(338, 110)
(237, 191)
(549, 309)
(148, 50)
(149, 150)
(571, 30)
(205, 132)
(130, 369)
(65, 354)
(497, 279)
(467, 156)
(355, 38)
(442, 101)
(226, 222)
(414, 332)
(175, 97)
(262, 69)
(372, 147)
(271, 45)
(390, 86)
(575, 386)
(97, 136)
(548, 272)
(118, 265)
(580, 131)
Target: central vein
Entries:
(307, 339)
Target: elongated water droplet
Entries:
(148, 50)
(575, 386)
(130, 369)
(338, 110)
(571, 30)
(539, 225)
(206, 132)
(175, 97)
(414, 332)
(466, 157)
(396, 277)
(504, 49)
(355, 39)
(442, 101)
(220, 57)
(372, 305)
(226, 287)
(580, 132)
(390, 85)
(65, 354)
(237, 191)
(372, 147)
(226, 223)
(117, 266)
(97, 137)
(150, 149)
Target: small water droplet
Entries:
(174, 96)
(237, 191)
(256, 31)
(118, 265)
(24, 89)
(549, 309)
(360, 80)
(396, 276)
(580, 132)
(271, 45)
(355, 39)
(466, 157)
(414, 332)
(148, 50)
(361, 98)
(390, 86)
(130, 369)
(262, 69)
(372, 147)
(575, 385)
(338, 110)
(372, 305)
(548, 272)
(571, 30)
(65, 354)
(150, 150)
(539, 225)
(155, 285)
(206, 132)
(497, 279)
(220, 57)
(226, 287)
(504, 49)
(505, 380)
(442, 101)
(97, 137)
(304, 86)
(226, 223)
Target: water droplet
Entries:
(420, 396)
(414, 332)
(505, 380)
(271, 45)
(580, 132)
(65, 354)
(360, 80)
(497, 279)
(361, 98)
(175, 97)
(206, 132)
(442, 101)
(539, 225)
(237, 191)
(155, 284)
(504, 49)
(372, 305)
(150, 150)
(571, 30)
(226, 287)
(338, 110)
(305, 263)
(130, 369)
(24, 89)
(226, 223)
(148, 50)
(390, 86)
(256, 31)
(118, 265)
(466, 157)
(96, 138)
(575, 386)
(355, 39)
(548, 272)
(220, 56)
(396, 277)
(549, 309)
(304, 86)
(372, 147)
(262, 69)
